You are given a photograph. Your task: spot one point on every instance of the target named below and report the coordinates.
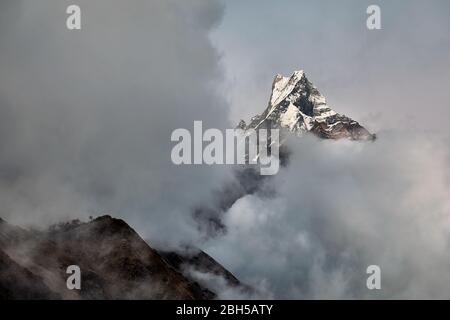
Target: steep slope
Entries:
(16, 282)
(296, 105)
(115, 263)
(195, 260)
(200, 267)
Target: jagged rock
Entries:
(297, 106)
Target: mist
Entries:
(86, 116)
(339, 207)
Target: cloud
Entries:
(341, 206)
(86, 116)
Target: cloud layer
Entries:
(340, 207)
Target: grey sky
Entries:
(394, 77)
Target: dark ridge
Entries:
(116, 263)
(18, 283)
(200, 261)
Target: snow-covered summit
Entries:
(296, 105)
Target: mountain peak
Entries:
(297, 105)
(282, 86)
(116, 262)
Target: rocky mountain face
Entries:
(17, 282)
(297, 106)
(116, 263)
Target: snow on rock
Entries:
(290, 117)
(296, 105)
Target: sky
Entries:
(86, 118)
(394, 77)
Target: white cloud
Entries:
(340, 207)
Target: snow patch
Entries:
(290, 118)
